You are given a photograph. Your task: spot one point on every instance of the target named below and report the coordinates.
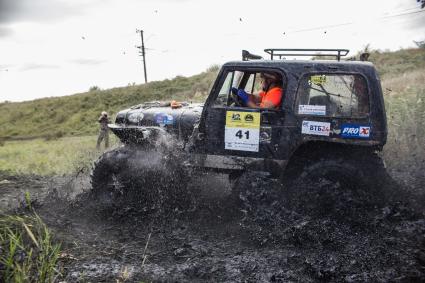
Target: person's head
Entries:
(104, 114)
(270, 79)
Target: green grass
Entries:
(54, 157)
(27, 250)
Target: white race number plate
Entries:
(242, 131)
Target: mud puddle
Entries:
(258, 237)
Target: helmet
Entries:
(271, 76)
(104, 113)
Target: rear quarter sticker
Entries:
(355, 131)
(316, 128)
(319, 110)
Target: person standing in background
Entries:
(104, 130)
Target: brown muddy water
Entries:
(320, 233)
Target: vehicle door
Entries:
(233, 129)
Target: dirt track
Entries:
(259, 238)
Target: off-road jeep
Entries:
(331, 124)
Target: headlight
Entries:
(120, 119)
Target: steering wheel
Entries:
(236, 99)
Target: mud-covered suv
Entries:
(331, 123)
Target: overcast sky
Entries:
(55, 47)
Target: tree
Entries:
(420, 44)
(94, 88)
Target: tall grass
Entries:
(27, 251)
(405, 106)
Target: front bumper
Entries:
(135, 134)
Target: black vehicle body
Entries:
(132, 125)
(285, 133)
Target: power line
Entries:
(323, 27)
(351, 23)
(401, 14)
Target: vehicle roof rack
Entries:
(279, 53)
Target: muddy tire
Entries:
(136, 179)
(338, 183)
(108, 178)
(349, 168)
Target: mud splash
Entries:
(268, 233)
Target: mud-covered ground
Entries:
(266, 234)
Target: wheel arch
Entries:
(312, 150)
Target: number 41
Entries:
(239, 134)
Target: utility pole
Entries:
(143, 53)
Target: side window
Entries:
(335, 95)
(257, 85)
(252, 82)
(233, 79)
(249, 87)
(237, 78)
(223, 95)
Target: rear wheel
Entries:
(348, 167)
(339, 183)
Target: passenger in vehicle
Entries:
(270, 97)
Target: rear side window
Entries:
(334, 95)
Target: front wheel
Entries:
(108, 177)
(140, 179)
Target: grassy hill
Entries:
(77, 114)
(401, 73)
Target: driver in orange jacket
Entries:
(270, 97)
